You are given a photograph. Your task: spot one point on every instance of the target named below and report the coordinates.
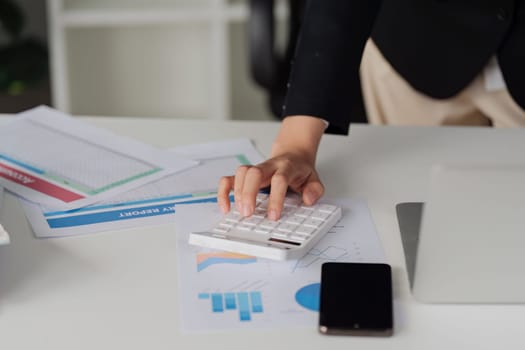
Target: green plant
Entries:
(23, 59)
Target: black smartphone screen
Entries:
(356, 299)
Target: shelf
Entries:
(164, 58)
(108, 5)
(117, 18)
(114, 17)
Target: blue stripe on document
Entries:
(21, 164)
(116, 205)
(121, 214)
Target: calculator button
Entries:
(297, 237)
(306, 230)
(262, 230)
(244, 227)
(322, 215)
(294, 219)
(221, 229)
(327, 208)
(287, 211)
(251, 221)
(284, 227)
(269, 224)
(303, 212)
(312, 222)
(308, 207)
(279, 234)
(233, 217)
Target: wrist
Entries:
(299, 135)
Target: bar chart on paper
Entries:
(245, 303)
(230, 291)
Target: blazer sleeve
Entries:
(327, 59)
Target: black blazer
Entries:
(438, 46)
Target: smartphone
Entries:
(356, 299)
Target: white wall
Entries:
(147, 71)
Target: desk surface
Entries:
(118, 290)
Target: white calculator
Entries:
(297, 231)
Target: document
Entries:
(50, 158)
(155, 202)
(223, 291)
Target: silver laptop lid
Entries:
(471, 247)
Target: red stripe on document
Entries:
(28, 180)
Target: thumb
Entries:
(313, 190)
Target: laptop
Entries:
(466, 244)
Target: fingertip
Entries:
(273, 214)
(247, 209)
(224, 207)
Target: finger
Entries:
(256, 178)
(223, 193)
(278, 190)
(252, 183)
(313, 190)
(238, 185)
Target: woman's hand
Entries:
(292, 164)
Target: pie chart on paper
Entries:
(308, 296)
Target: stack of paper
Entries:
(52, 159)
(153, 203)
(73, 178)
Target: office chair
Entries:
(270, 69)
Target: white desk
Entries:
(118, 290)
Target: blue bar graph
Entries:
(256, 300)
(204, 296)
(247, 303)
(229, 299)
(244, 306)
(216, 302)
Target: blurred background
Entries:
(205, 59)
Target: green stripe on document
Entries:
(203, 194)
(242, 159)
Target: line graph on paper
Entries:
(326, 251)
(317, 256)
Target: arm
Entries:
(328, 55)
(327, 60)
